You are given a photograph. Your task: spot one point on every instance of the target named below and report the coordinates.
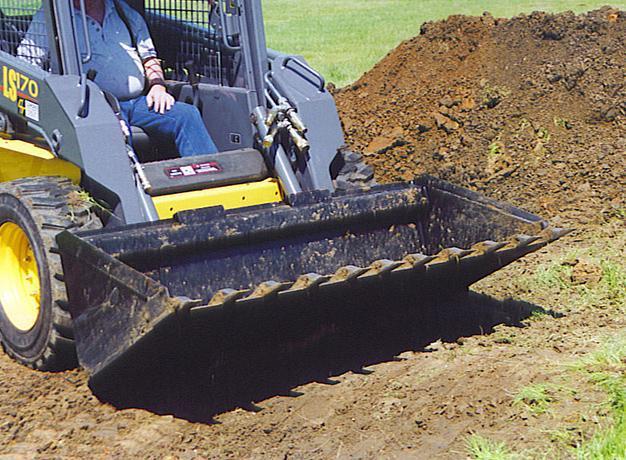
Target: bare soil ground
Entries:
(528, 110)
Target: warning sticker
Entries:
(194, 169)
(31, 110)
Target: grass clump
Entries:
(496, 148)
(614, 280)
(492, 95)
(562, 123)
(555, 275)
(592, 277)
(81, 201)
(480, 448)
(536, 398)
(606, 368)
(606, 444)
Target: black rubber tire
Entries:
(350, 172)
(43, 207)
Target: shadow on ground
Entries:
(214, 369)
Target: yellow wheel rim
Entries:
(20, 289)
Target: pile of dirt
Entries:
(529, 110)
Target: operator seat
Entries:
(148, 150)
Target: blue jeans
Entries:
(182, 124)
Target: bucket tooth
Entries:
(551, 234)
(221, 298)
(346, 273)
(379, 267)
(414, 261)
(362, 371)
(520, 241)
(307, 281)
(450, 254)
(486, 247)
(224, 296)
(264, 289)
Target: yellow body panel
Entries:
(22, 159)
(229, 196)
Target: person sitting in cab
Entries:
(126, 65)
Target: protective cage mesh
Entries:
(188, 34)
(16, 17)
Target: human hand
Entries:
(159, 99)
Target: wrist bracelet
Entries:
(156, 82)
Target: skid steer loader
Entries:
(105, 246)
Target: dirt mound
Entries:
(530, 110)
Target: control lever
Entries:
(194, 81)
(141, 175)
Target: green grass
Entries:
(614, 278)
(344, 39)
(607, 292)
(480, 448)
(608, 444)
(536, 398)
(606, 368)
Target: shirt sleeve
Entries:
(34, 46)
(145, 46)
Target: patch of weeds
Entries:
(609, 291)
(480, 448)
(80, 201)
(562, 123)
(496, 148)
(538, 314)
(492, 95)
(555, 275)
(536, 398)
(591, 277)
(571, 436)
(614, 281)
(543, 135)
(606, 444)
(606, 368)
(611, 355)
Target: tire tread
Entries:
(48, 200)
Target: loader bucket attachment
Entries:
(210, 270)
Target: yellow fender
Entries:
(22, 159)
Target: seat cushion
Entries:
(141, 142)
(205, 171)
(147, 150)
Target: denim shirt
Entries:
(118, 64)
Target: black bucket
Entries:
(209, 271)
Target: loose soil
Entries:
(529, 110)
